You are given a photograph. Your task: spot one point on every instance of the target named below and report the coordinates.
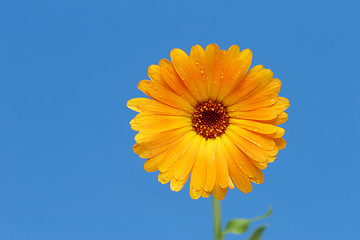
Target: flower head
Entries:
(210, 119)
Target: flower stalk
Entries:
(217, 218)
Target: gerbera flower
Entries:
(209, 119)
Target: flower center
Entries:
(210, 119)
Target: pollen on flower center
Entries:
(210, 119)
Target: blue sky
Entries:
(67, 68)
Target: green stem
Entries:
(217, 218)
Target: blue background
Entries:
(67, 68)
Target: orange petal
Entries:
(252, 80)
(211, 55)
(182, 66)
(260, 165)
(186, 161)
(233, 53)
(198, 173)
(177, 151)
(235, 73)
(160, 93)
(150, 123)
(242, 160)
(272, 88)
(171, 77)
(280, 119)
(155, 75)
(154, 106)
(280, 143)
(222, 172)
(198, 71)
(262, 114)
(156, 144)
(205, 194)
(160, 139)
(177, 185)
(254, 152)
(218, 74)
(152, 164)
(194, 194)
(255, 138)
(254, 102)
(258, 127)
(241, 181)
(165, 177)
(143, 152)
(219, 192)
(210, 166)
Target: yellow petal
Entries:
(255, 138)
(285, 102)
(253, 79)
(235, 72)
(241, 181)
(160, 139)
(182, 66)
(280, 143)
(219, 192)
(233, 52)
(165, 177)
(186, 161)
(198, 71)
(156, 144)
(272, 88)
(150, 123)
(222, 172)
(254, 102)
(171, 77)
(218, 74)
(177, 185)
(262, 114)
(210, 166)
(198, 173)
(154, 106)
(254, 152)
(257, 127)
(211, 55)
(205, 194)
(155, 75)
(152, 164)
(160, 93)
(282, 118)
(230, 183)
(260, 165)
(194, 194)
(178, 150)
(242, 160)
(143, 152)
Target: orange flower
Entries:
(209, 119)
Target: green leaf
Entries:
(257, 233)
(240, 225)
